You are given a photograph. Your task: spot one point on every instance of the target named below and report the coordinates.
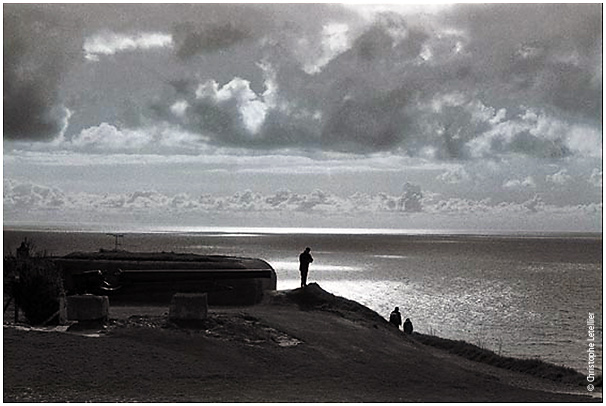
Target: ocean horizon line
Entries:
(251, 230)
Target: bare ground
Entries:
(298, 346)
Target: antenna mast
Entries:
(118, 238)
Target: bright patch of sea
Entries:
(523, 296)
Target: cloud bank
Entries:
(34, 198)
(468, 82)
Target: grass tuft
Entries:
(534, 367)
(36, 286)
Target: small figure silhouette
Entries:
(395, 317)
(304, 260)
(408, 326)
(23, 250)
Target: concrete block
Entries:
(87, 307)
(62, 310)
(188, 307)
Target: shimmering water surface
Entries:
(522, 296)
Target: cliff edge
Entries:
(301, 345)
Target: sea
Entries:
(524, 296)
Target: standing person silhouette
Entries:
(395, 318)
(304, 260)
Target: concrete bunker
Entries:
(130, 277)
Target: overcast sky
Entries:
(479, 117)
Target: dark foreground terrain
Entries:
(297, 346)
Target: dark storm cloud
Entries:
(356, 103)
(35, 44)
(372, 88)
(42, 43)
(387, 88)
(391, 33)
(511, 57)
(524, 142)
(375, 123)
(191, 42)
(546, 53)
(182, 86)
(378, 94)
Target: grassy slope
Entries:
(533, 367)
(347, 353)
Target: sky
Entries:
(467, 117)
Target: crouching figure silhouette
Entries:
(408, 326)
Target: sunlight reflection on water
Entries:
(291, 265)
(516, 309)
